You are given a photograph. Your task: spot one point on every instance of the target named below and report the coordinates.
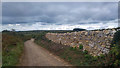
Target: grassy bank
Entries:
(12, 47)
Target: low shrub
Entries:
(115, 55)
(69, 58)
(85, 52)
(88, 56)
(102, 56)
(95, 58)
(74, 48)
(80, 46)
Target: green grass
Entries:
(12, 48)
(80, 46)
(11, 58)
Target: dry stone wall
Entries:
(95, 42)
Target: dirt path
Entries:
(35, 55)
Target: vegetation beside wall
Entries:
(115, 50)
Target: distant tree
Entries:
(78, 29)
(5, 31)
(13, 30)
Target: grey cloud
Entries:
(58, 12)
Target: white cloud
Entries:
(39, 26)
(17, 24)
(10, 25)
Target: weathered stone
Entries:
(103, 45)
(96, 42)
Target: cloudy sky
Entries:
(59, 15)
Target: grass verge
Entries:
(12, 48)
(11, 58)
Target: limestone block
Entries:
(108, 47)
(103, 45)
